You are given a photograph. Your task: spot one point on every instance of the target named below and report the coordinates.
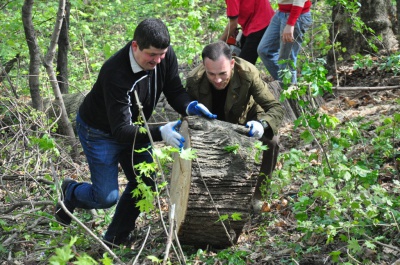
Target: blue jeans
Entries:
(103, 155)
(272, 49)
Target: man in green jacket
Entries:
(232, 88)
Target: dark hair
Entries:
(152, 32)
(214, 50)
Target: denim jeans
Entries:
(103, 153)
(272, 49)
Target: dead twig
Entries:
(357, 88)
(25, 203)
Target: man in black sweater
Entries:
(108, 125)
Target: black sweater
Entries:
(111, 104)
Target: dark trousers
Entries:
(249, 46)
(268, 163)
(103, 154)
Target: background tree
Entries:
(363, 27)
(34, 55)
(62, 54)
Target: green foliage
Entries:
(232, 148)
(64, 255)
(345, 205)
(45, 143)
(234, 217)
(260, 148)
(389, 63)
(188, 154)
(230, 256)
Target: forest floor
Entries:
(345, 105)
(18, 248)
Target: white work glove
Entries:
(171, 136)
(196, 108)
(256, 129)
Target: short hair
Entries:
(152, 32)
(214, 50)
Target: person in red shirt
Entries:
(254, 17)
(284, 36)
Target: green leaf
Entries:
(106, 260)
(145, 205)
(307, 136)
(335, 255)
(232, 148)
(154, 259)
(397, 117)
(223, 217)
(354, 246)
(236, 216)
(146, 168)
(370, 245)
(360, 171)
(188, 154)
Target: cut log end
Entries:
(217, 185)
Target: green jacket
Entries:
(248, 97)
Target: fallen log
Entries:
(216, 184)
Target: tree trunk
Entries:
(379, 15)
(48, 64)
(216, 183)
(62, 55)
(34, 54)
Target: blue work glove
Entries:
(196, 108)
(256, 129)
(170, 135)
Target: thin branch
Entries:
(25, 203)
(141, 248)
(171, 230)
(2, 70)
(356, 88)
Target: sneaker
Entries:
(60, 214)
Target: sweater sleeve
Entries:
(173, 89)
(295, 8)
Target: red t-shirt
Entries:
(253, 15)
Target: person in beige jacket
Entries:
(232, 88)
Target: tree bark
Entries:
(62, 55)
(216, 183)
(379, 15)
(48, 64)
(34, 54)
